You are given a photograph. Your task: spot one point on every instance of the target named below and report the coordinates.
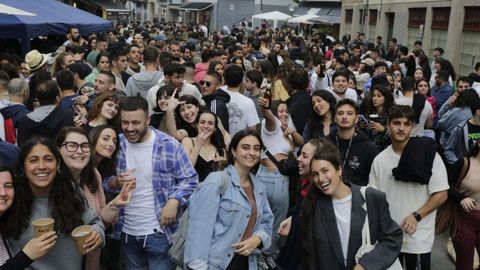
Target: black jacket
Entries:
(300, 109)
(217, 103)
(326, 239)
(360, 157)
(48, 127)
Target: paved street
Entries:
(440, 259)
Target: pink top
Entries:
(108, 215)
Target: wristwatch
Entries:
(417, 216)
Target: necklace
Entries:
(346, 152)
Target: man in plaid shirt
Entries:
(164, 179)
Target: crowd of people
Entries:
(267, 137)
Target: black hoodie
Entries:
(360, 157)
(217, 103)
(14, 111)
(48, 127)
(474, 77)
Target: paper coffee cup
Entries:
(42, 226)
(373, 116)
(80, 235)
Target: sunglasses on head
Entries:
(205, 83)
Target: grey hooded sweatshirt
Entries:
(139, 83)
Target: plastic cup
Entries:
(373, 116)
(42, 226)
(80, 235)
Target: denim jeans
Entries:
(276, 187)
(147, 252)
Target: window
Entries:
(416, 17)
(361, 19)
(348, 15)
(372, 19)
(440, 19)
(472, 19)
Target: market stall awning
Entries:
(326, 20)
(44, 17)
(303, 19)
(274, 16)
(110, 6)
(319, 10)
(196, 6)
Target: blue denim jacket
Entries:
(217, 222)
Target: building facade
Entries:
(453, 25)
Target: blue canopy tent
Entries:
(26, 19)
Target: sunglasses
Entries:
(206, 83)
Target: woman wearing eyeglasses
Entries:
(76, 151)
(45, 190)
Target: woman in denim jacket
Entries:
(228, 231)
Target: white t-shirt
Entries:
(343, 216)
(405, 197)
(349, 93)
(427, 111)
(140, 216)
(241, 112)
(274, 141)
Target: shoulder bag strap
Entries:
(271, 157)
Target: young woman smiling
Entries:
(333, 213)
(76, 152)
(207, 150)
(158, 119)
(105, 146)
(36, 247)
(182, 116)
(322, 121)
(45, 189)
(235, 225)
(104, 111)
(280, 139)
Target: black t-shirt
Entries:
(473, 133)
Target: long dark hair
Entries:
(66, 200)
(330, 153)
(387, 94)
(217, 137)
(236, 140)
(181, 124)
(429, 93)
(106, 167)
(87, 176)
(316, 121)
(5, 216)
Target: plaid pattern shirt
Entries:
(174, 176)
